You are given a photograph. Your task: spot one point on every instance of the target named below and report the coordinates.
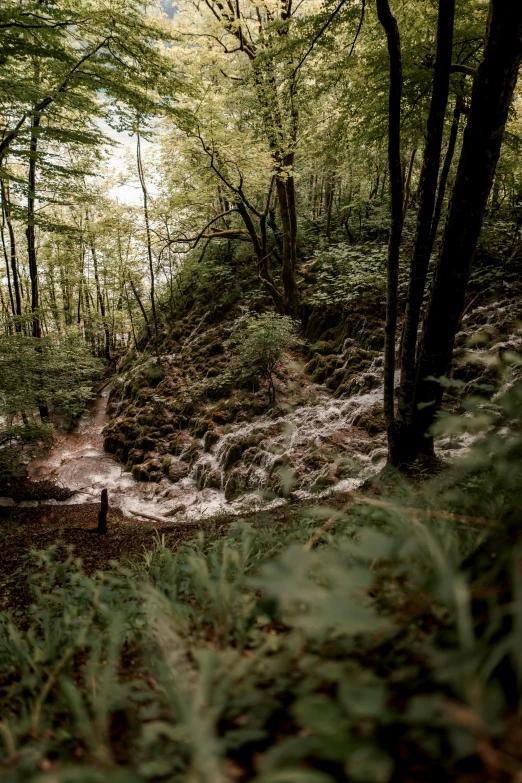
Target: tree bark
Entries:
(147, 229)
(6, 257)
(391, 30)
(407, 187)
(422, 249)
(31, 243)
(99, 296)
(446, 169)
(102, 514)
(491, 99)
(287, 213)
(30, 233)
(6, 201)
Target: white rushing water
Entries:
(307, 451)
(304, 451)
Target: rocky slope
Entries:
(204, 440)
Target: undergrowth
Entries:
(380, 642)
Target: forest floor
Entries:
(72, 528)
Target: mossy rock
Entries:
(147, 443)
(311, 366)
(140, 472)
(210, 439)
(234, 454)
(191, 454)
(201, 427)
(177, 471)
(216, 348)
(325, 368)
(134, 457)
(235, 486)
(339, 376)
(323, 347)
(372, 421)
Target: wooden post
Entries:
(102, 516)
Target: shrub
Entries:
(262, 343)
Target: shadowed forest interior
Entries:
(260, 391)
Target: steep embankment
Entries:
(186, 422)
(203, 441)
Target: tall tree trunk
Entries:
(391, 29)
(6, 258)
(285, 188)
(407, 186)
(147, 229)
(134, 291)
(99, 297)
(6, 202)
(422, 248)
(30, 233)
(52, 298)
(330, 195)
(446, 169)
(491, 98)
(31, 242)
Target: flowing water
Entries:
(303, 451)
(298, 450)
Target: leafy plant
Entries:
(263, 341)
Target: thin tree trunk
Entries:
(391, 29)
(491, 99)
(422, 249)
(30, 233)
(446, 169)
(329, 204)
(6, 257)
(12, 244)
(287, 212)
(147, 228)
(31, 242)
(99, 297)
(407, 187)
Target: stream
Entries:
(78, 462)
(308, 451)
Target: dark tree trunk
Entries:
(422, 249)
(287, 212)
(30, 233)
(6, 257)
(452, 143)
(330, 194)
(14, 265)
(407, 186)
(101, 303)
(391, 29)
(102, 514)
(491, 98)
(31, 243)
(147, 229)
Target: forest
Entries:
(261, 391)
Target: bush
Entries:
(262, 343)
(55, 371)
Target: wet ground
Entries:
(78, 465)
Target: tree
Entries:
(391, 29)
(493, 90)
(420, 395)
(264, 339)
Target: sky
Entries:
(122, 166)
